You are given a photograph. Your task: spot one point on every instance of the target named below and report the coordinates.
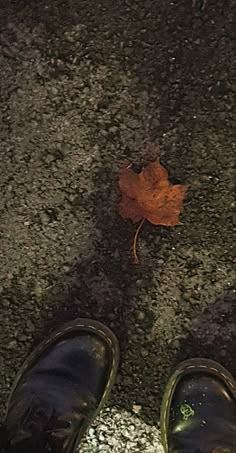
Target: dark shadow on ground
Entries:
(213, 333)
(105, 288)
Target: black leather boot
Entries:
(60, 389)
(198, 412)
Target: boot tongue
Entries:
(34, 426)
(6, 445)
(45, 425)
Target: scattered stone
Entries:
(136, 409)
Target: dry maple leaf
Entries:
(149, 195)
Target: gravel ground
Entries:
(85, 85)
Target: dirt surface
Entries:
(85, 85)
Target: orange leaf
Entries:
(149, 195)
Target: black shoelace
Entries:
(32, 439)
(29, 444)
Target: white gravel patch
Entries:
(119, 431)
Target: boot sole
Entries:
(80, 325)
(190, 366)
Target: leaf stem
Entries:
(134, 252)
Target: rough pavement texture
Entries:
(85, 85)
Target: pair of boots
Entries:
(63, 384)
